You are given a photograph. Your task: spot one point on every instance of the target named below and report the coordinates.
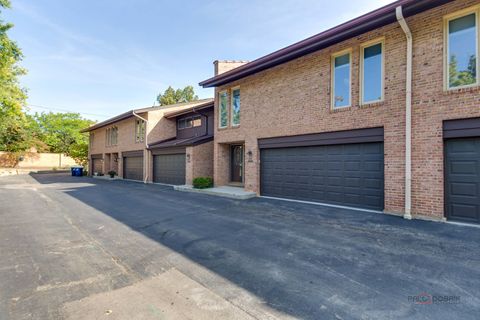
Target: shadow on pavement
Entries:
(307, 261)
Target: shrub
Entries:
(112, 173)
(202, 182)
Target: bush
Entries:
(112, 173)
(202, 182)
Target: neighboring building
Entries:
(120, 143)
(327, 119)
(189, 153)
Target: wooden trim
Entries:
(136, 153)
(173, 150)
(327, 138)
(461, 128)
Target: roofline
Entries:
(174, 114)
(360, 25)
(131, 113)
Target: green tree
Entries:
(459, 78)
(13, 123)
(172, 96)
(61, 133)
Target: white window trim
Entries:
(220, 111)
(363, 46)
(332, 78)
(231, 105)
(446, 52)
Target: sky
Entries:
(104, 57)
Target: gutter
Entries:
(145, 159)
(408, 114)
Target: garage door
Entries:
(169, 168)
(343, 174)
(462, 179)
(97, 165)
(133, 168)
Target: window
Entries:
(341, 80)
(181, 124)
(111, 136)
(188, 123)
(223, 110)
(236, 107)
(197, 121)
(139, 130)
(92, 137)
(372, 73)
(462, 49)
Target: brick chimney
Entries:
(222, 66)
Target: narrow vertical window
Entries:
(462, 51)
(223, 110)
(236, 107)
(372, 73)
(341, 81)
(139, 130)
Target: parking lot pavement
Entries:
(85, 248)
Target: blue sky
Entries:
(104, 57)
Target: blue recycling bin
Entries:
(77, 171)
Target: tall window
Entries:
(236, 107)
(372, 73)
(341, 80)
(111, 136)
(223, 110)
(139, 130)
(462, 50)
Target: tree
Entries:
(61, 133)
(462, 77)
(172, 96)
(13, 123)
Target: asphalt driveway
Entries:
(85, 248)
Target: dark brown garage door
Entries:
(97, 165)
(133, 168)
(342, 174)
(169, 169)
(462, 179)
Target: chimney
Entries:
(222, 66)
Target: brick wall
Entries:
(294, 98)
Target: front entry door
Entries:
(236, 163)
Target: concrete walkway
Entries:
(223, 191)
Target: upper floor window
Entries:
(462, 49)
(111, 136)
(139, 130)
(372, 73)
(223, 109)
(236, 107)
(341, 84)
(197, 121)
(189, 122)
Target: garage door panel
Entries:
(347, 174)
(169, 169)
(462, 179)
(133, 168)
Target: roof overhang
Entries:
(174, 114)
(120, 117)
(365, 23)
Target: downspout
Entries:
(145, 159)
(408, 115)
